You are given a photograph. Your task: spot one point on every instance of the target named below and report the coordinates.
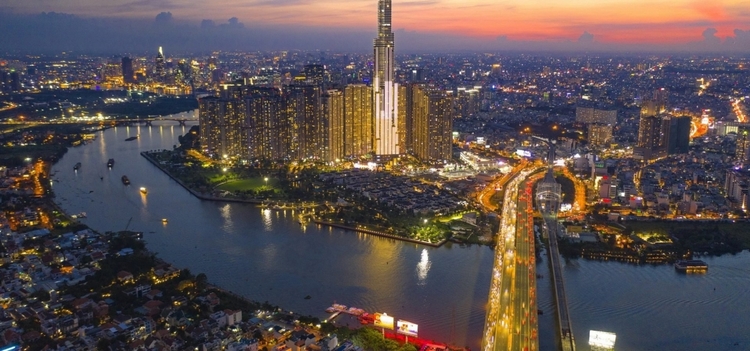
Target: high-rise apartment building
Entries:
(742, 151)
(653, 137)
(589, 115)
(268, 129)
(600, 134)
(358, 120)
(222, 123)
(304, 111)
(432, 111)
(385, 90)
(679, 135)
(333, 116)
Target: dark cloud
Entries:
(586, 38)
(164, 17)
(207, 23)
(709, 36)
(55, 32)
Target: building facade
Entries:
(385, 89)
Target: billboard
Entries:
(406, 328)
(602, 339)
(383, 320)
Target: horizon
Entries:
(420, 26)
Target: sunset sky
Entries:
(609, 21)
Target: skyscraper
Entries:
(653, 137)
(679, 135)
(743, 144)
(385, 90)
(333, 117)
(433, 123)
(160, 65)
(358, 120)
(128, 74)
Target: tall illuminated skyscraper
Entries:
(385, 91)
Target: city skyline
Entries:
(426, 25)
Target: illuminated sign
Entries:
(383, 320)
(523, 153)
(602, 339)
(406, 328)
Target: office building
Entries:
(385, 90)
(589, 115)
(358, 120)
(128, 73)
(600, 135)
(160, 66)
(433, 123)
(679, 135)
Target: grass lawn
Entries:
(255, 183)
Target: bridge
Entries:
(549, 198)
(99, 121)
(511, 322)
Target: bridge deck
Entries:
(567, 340)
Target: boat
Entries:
(125, 180)
(691, 266)
(77, 166)
(111, 162)
(143, 191)
(164, 220)
(131, 138)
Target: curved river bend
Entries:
(268, 256)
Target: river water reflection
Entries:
(268, 256)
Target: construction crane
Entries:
(128, 225)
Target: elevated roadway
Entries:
(511, 322)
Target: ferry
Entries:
(143, 191)
(77, 166)
(111, 162)
(125, 180)
(691, 266)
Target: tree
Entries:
(201, 281)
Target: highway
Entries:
(511, 322)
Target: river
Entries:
(268, 256)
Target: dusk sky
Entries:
(536, 24)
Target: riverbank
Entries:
(281, 205)
(381, 234)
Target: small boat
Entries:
(111, 162)
(132, 138)
(125, 180)
(164, 220)
(143, 191)
(77, 166)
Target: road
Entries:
(511, 322)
